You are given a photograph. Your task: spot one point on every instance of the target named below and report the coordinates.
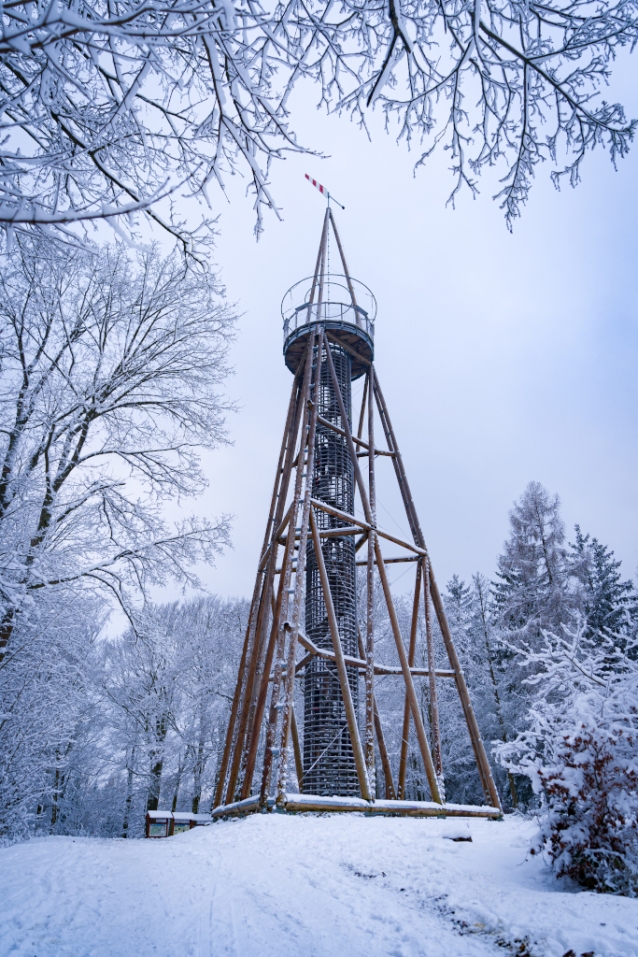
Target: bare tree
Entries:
(111, 370)
(106, 107)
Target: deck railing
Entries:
(337, 305)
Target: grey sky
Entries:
(503, 358)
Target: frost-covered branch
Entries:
(107, 108)
(110, 387)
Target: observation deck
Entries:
(345, 307)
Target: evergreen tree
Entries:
(608, 603)
(532, 595)
(532, 590)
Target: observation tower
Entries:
(345, 310)
(310, 640)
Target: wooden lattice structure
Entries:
(308, 568)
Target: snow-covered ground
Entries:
(334, 886)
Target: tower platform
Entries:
(346, 309)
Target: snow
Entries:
(313, 886)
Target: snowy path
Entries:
(303, 887)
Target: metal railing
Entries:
(337, 305)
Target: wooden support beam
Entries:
(258, 671)
(297, 749)
(405, 735)
(483, 765)
(264, 660)
(328, 533)
(327, 424)
(485, 772)
(394, 561)
(414, 704)
(253, 742)
(364, 398)
(383, 751)
(409, 683)
(364, 455)
(369, 646)
(353, 352)
(389, 670)
(356, 439)
(349, 441)
(343, 258)
(359, 758)
(434, 700)
(234, 734)
(281, 528)
(293, 635)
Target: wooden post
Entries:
(297, 749)
(416, 713)
(434, 701)
(362, 411)
(253, 738)
(403, 760)
(343, 260)
(251, 640)
(369, 656)
(409, 683)
(359, 758)
(275, 653)
(383, 750)
(293, 635)
(321, 259)
(485, 773)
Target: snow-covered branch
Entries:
(106, 107)
(110, 385)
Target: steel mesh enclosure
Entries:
(329, 766)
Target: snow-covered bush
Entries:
(580, 753)
(590, 823)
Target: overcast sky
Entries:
(504, 358)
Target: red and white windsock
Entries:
(323, 190)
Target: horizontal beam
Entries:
(327, 533)
(394, 561)
(298, 803)
(314, 650)
(364, 455)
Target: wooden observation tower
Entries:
(310, 639)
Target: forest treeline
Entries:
(96, 730)
(112, 368)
